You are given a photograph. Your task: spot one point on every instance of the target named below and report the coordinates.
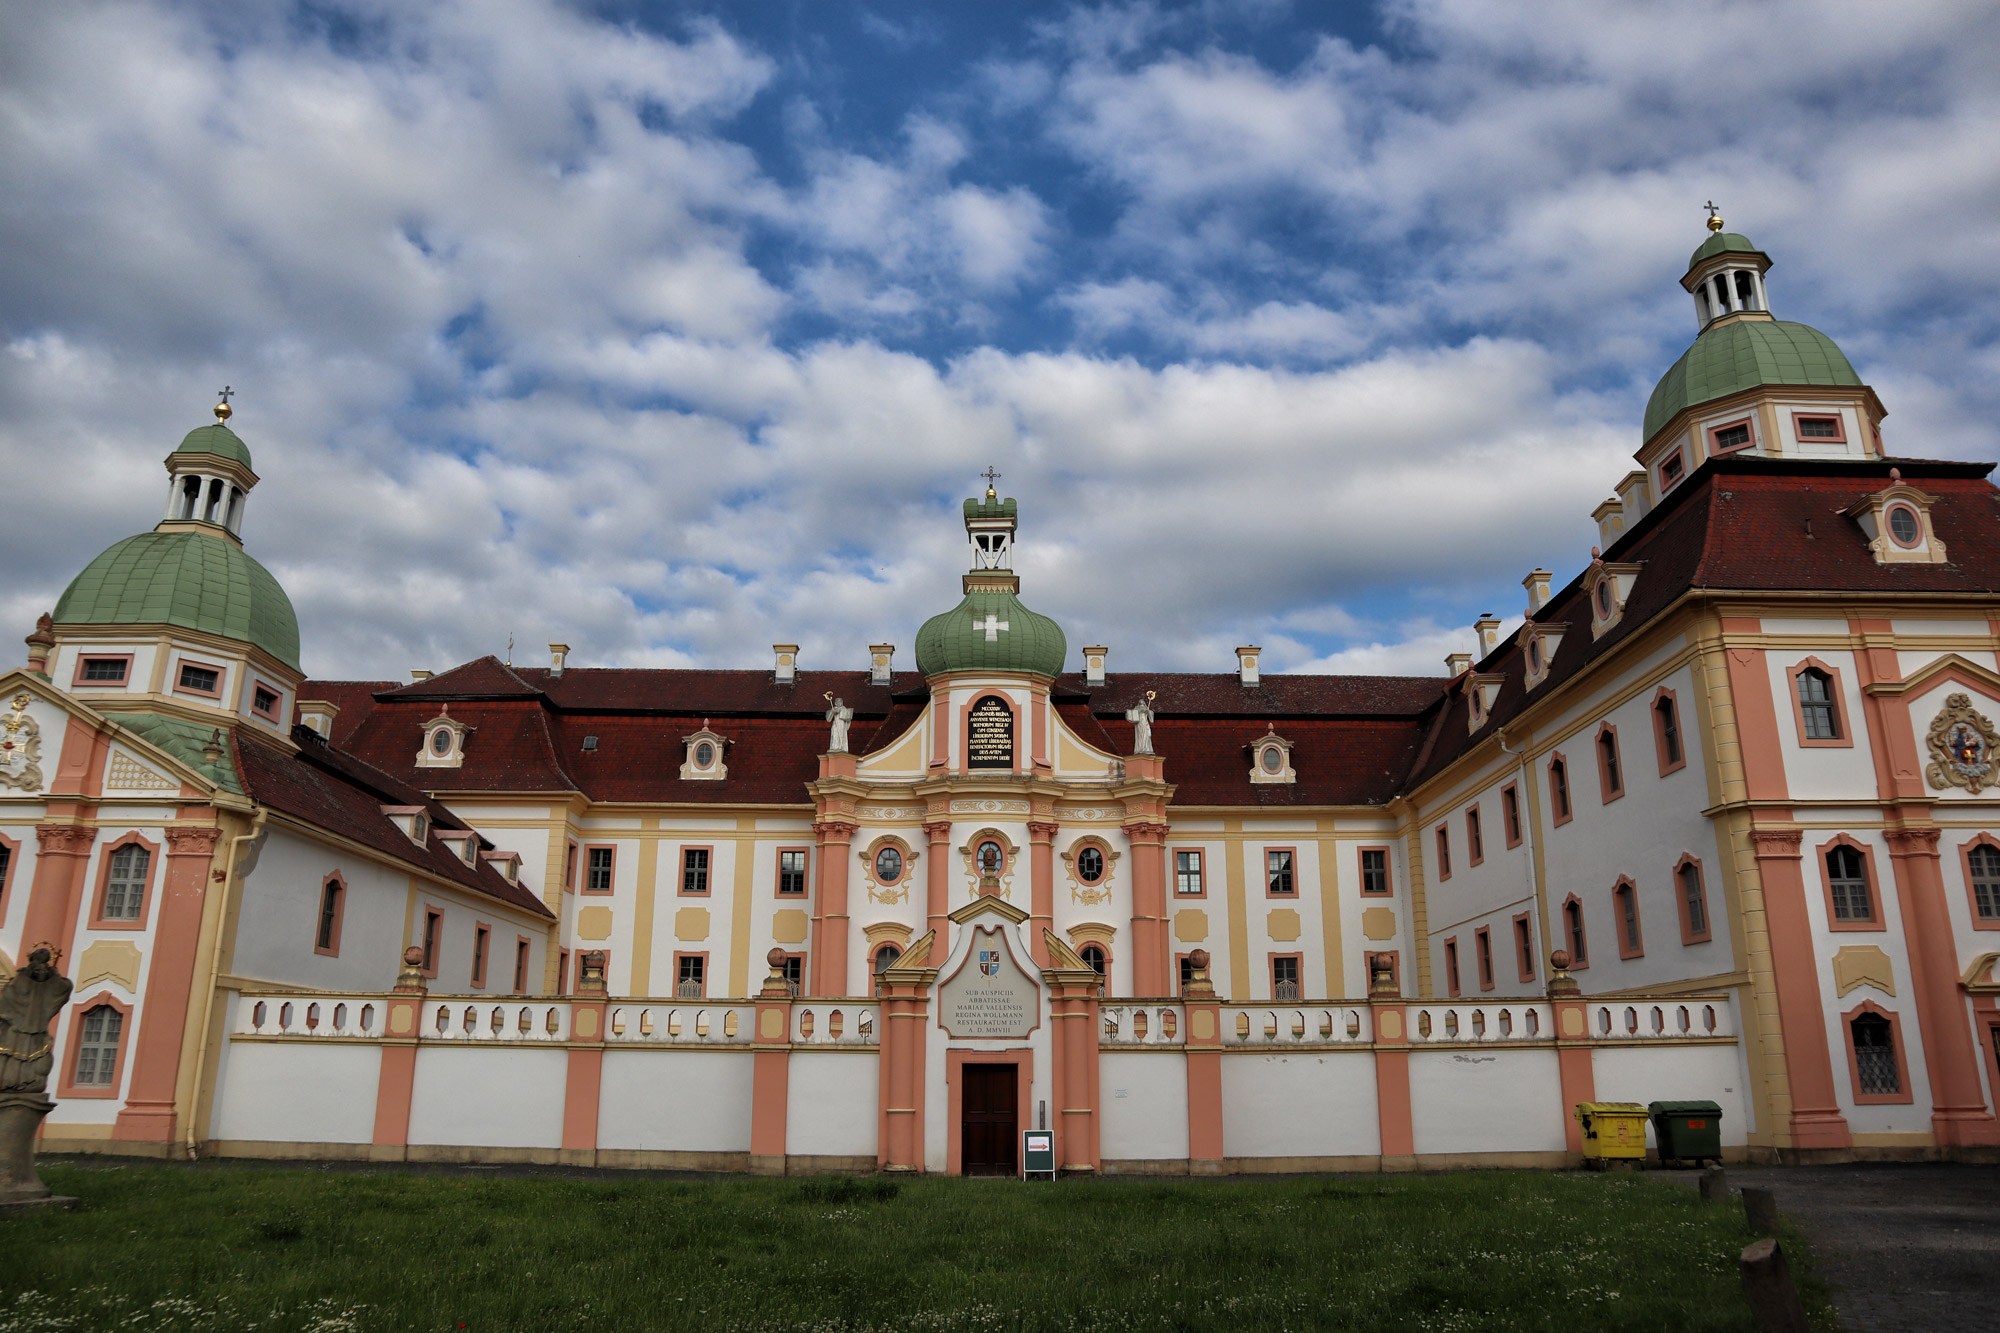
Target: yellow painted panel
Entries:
(691, 923)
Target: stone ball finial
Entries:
(776, 958)
(1559, 960)
(413, 956)
(1199, 958)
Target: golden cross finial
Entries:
(991, 477)
(222, 410)
(1714, 219)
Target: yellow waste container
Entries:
(1612, 1130)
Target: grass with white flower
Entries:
(166, 1249)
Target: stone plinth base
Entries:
(20, 1116)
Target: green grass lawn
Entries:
(159, 1247)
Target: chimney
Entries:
(558, 654)
(1093, 665)
(418, 673)
(1246, 664)
(1488, 629)
(788, 662)
(1537, 584)
(318, 714)
(1610, 517)
(881, 660)
(1634, 493)
(1457, 664)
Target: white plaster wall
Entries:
(1486, 1101)
(1675, 1074)
(1822, 772)
(1305, 1104)
(1912, 1117)
(1213, 902)
(297, 1093)
(1143, 1106)
(279, 918)
(62, 670)
(492, 1097)
(621, 902)
(1355, 946)
(1487, 894)
(831, 1104)
(1307, 901)
(680, 1101)
(668, 902)
(531, 843)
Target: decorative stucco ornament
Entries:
(20, 748)
(1961, 741)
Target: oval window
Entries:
(1534, 655)
(888, 865)
(1604, 599)
(1273, 759)
(1903, 525)
(441, 742)
(991, 858)
(704, 754)
(1090, 865)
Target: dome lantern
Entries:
(209, 478)
(990, 629)
(1726, 276)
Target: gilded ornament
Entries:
(20, 748)
(1961, 743)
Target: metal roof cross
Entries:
(227, 393)
(991, 477)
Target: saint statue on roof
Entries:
(1140, 715)
(840, 715)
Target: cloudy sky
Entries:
(673, 330)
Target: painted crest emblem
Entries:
(989, 962)
(20, 747)
(1961, 743)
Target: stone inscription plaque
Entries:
(989, 737)
(990, 996)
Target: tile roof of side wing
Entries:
(339, 793)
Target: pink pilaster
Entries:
(149, 1104)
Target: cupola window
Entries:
(1819, 428)
(1733, 436)
(200, 679)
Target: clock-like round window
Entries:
(990, 857)
(1903, 525)
(1090, 866)
(888, 865)
(1273, 759)
(441, 742)
(704, 754)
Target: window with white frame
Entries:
(97, 1048)
(125, 885)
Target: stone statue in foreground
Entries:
(29, 1003)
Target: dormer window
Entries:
(1897, 520)
(1543, 640)
(444, 742)
(1481, 691)
(1271, 759)
(704, 759)
(413, 820)
(464, 844)
(1610, 584)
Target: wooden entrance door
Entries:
(990, 1132)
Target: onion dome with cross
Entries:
(990, 630)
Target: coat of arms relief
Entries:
(1961, 742)
(20, 747)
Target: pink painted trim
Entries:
(1845, 740)
(1715, 451)
(268, 714)
(332, 949)
(432, 940)
(907, 855)
(1388, 870)
(1204, 1099)
(1293, 894)
(1392, 1096)
(151, 891)
(1688, 934)
(221, 676)
(1482, 953)
(79, 683)
(482, 953)
(1475, 844)
(1524, 946)
(1914, 513)
(1762, 752)
(1876, 916)
(1610, 764)
(681, 890)
(1663, 695)
(611, 876)
(1624, 896)
(1174, 869)
(1510, 814)
(1576, 934)
(1152, 953)
(77, 1011)
(583, 1085)
(394, 1086)
(1979, 922)
(524, 958)
(1908, 1094)
(1816, 1121)
(778, 875)
(1839, 421)
(1023, 1060)
(1562, 799)
(692, 953)
(1666, 482)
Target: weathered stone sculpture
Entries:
(29, 1003)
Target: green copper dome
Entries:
(1742, 355)
(191, 579)
(1722, 242)
(218, 440)
(958, 640)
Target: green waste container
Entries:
(1687, 1131)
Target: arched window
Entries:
(1875, 1055)
(97, 1048)
(1821, 720)
(885, 958)
(1984, 862)
(1093, 954)
(125, 887)
(1608, 770)
(1625, 899)
(1694, 900)
(1579, 948)
(1666, 718)
(1847, 882)
(1559, 788)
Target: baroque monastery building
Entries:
(1717, 822)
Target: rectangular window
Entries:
(1559, 789)
(200, 679)
(1818, 428)
(562, 972)
(482, 941)
(569, 867)
(1694, 903)
(791, 872)
(1734, 435)
(1278, 872)
(103, 670)
(1510, 813)
(522, 953)
(1375, 871)
(433, 930)
(6, 864)
(597, 869)
(264, 701)
(1579, 947)
(1482, 945)
(1285, 976)
(1451, 967)
(691, 976)
(1876, 1068)
(125, 884)
(1609, 774)
(97, 1048)
(694, 870)
(1982, 862)
(326, 939)
(1816, 705)
(1524, 946)
(1475, 846)
(1671, 469)
(1187, 974)
(1625, 901)
(1847, 885)
(795, 972)
(1667, 732)
(1187, 874)
(1444, 851)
